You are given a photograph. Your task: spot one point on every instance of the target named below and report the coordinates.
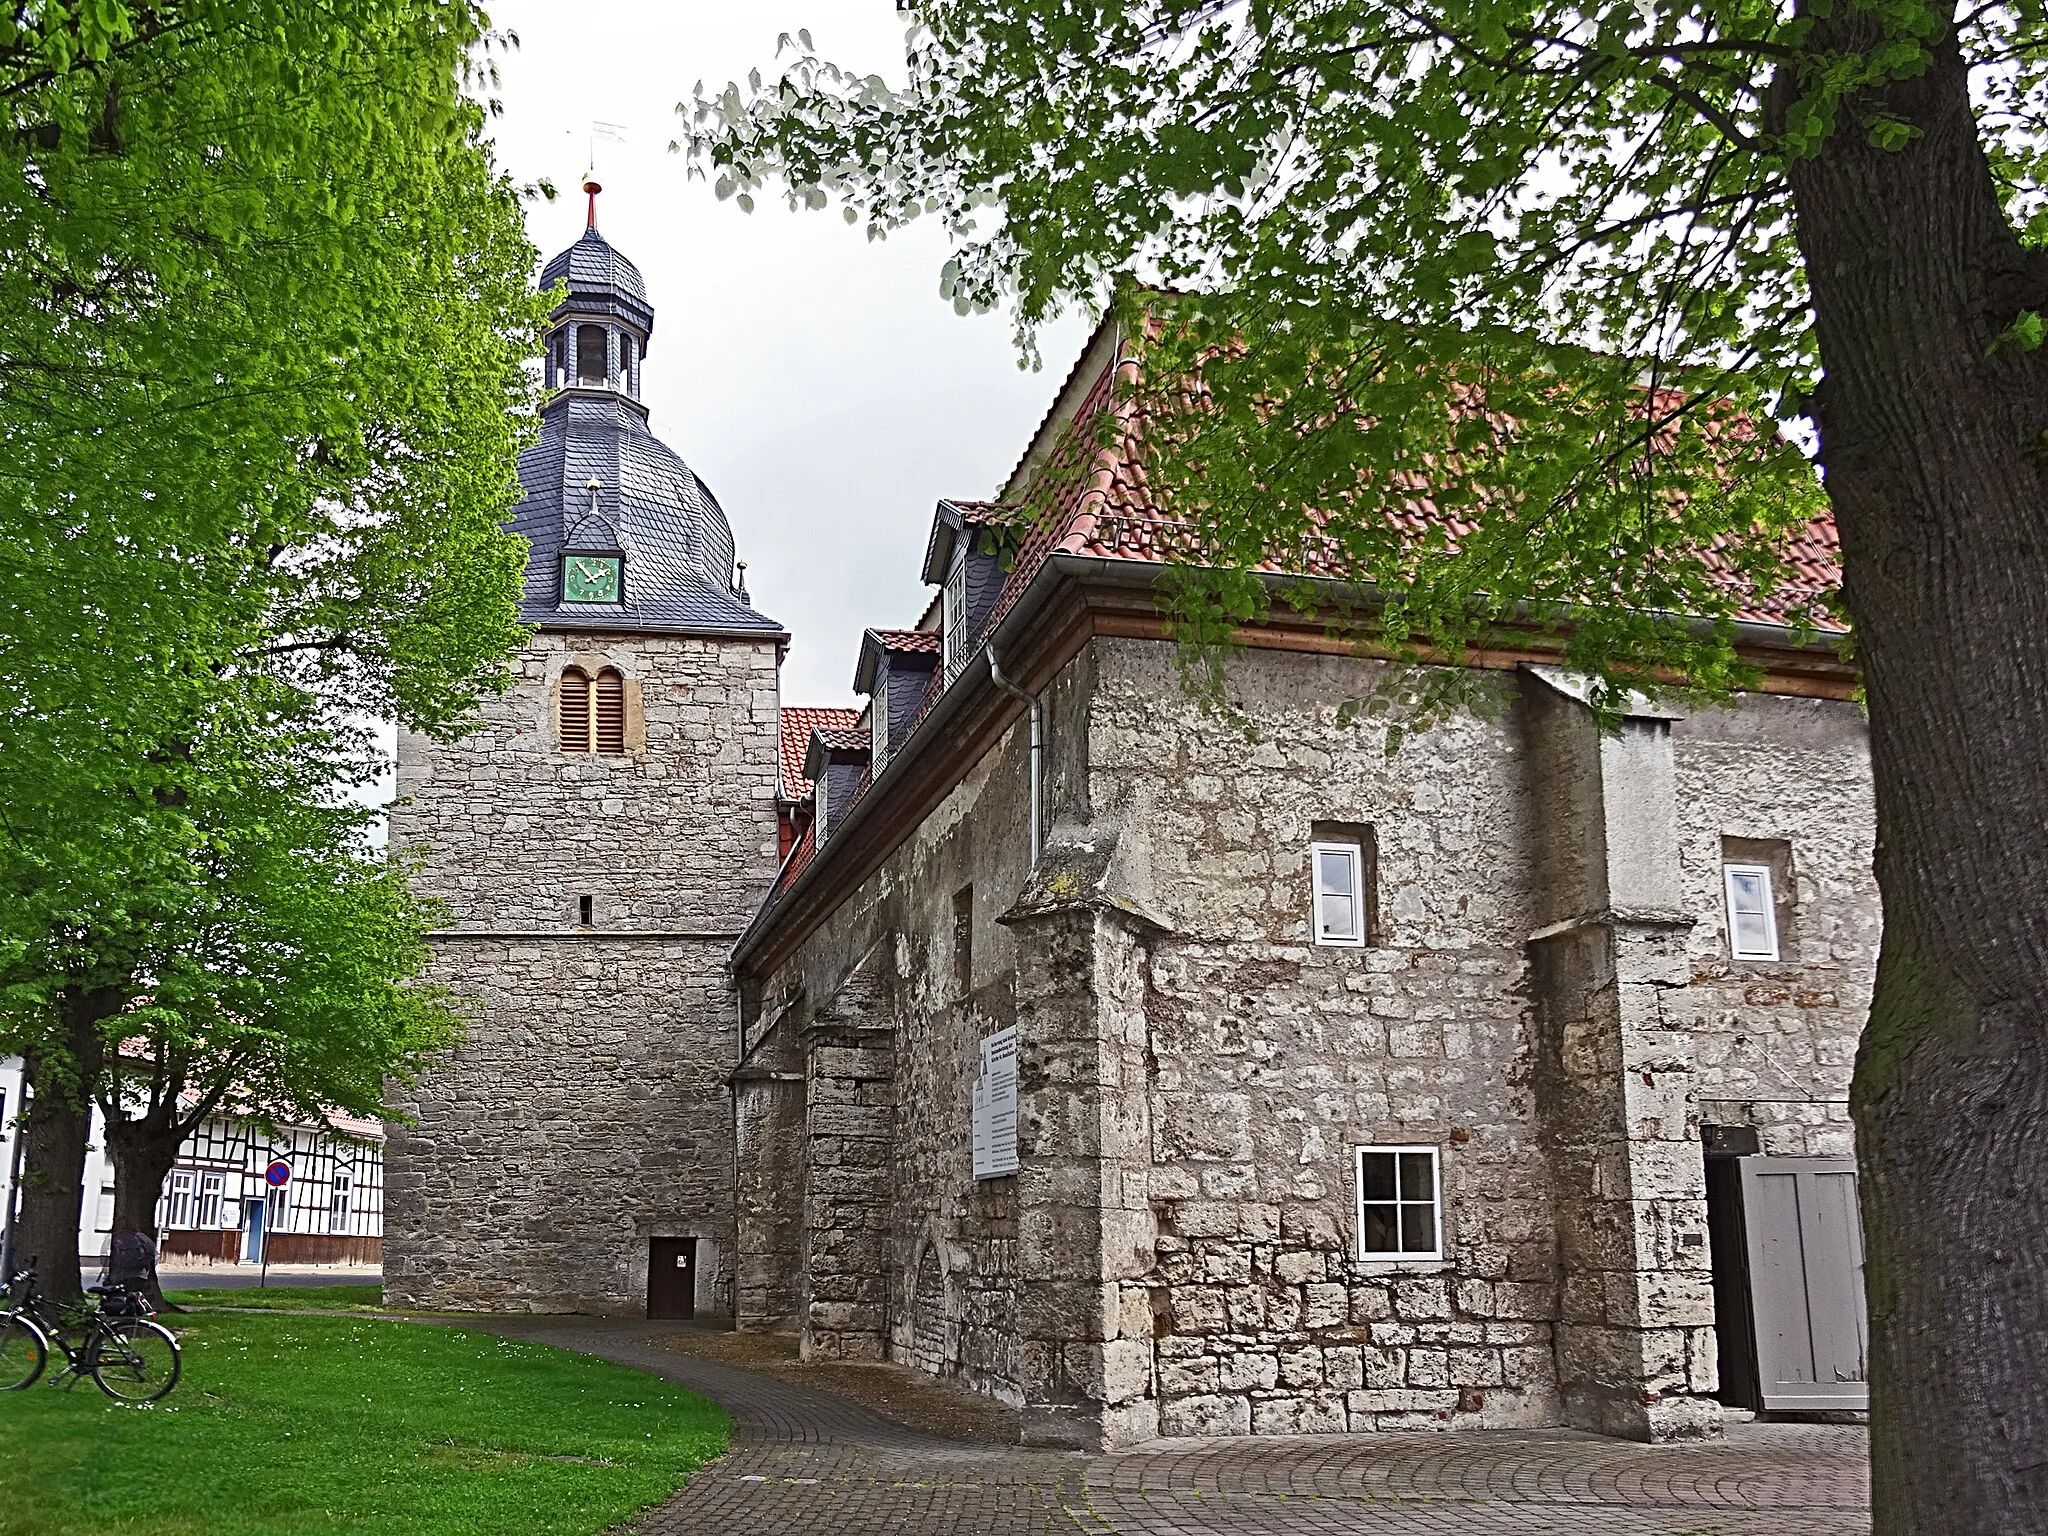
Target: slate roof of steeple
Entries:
(677, 543)
(596, 271)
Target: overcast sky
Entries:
(816, 381)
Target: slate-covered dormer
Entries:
(835, 764)
(895, 671)
(964, 561)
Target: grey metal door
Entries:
(1805, 1241)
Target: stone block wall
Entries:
(1274, 1058)
(1776, 1042)
(677, 832)
(584, 1113)
(1542, 1001)
(943, 1248)
(587, 1110)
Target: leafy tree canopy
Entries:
(1527, 259)
(265, 328)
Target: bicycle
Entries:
(130, 1357)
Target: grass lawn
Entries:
(292, 1298)
(283, 1299)
(332, 1426)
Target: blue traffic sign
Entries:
(278, 1174)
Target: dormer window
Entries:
(592, 349)
(953, 616)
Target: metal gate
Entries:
(1803, 1249)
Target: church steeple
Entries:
(598, 335)
(622, 533)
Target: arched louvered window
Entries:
(590, 354)
(575, 711)
(593, 712)
(608, 716)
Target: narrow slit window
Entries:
(1752, 915)
(1338, 870)
(608, 733)
(1400, 1200)
(575, 711)
(586, 911)
(963, 940)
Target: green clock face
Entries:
(590, 578)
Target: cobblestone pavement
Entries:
(804, 1462)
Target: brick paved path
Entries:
(804, 1463)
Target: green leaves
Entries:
(2023, 335)
(1491, 301)
(264, 328)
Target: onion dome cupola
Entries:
(624, 534)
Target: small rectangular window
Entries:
(178, 1209)
(210, 1187)
(1338, 872)
(963, 940)
(1752, 913)
(1400, 1201)
(586, 911)
(338, 1201)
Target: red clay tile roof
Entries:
(798, 721)
(843, 738)
(1091, 499)
(908, 639)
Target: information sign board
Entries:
(995, 1107)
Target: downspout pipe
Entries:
(1030, 702)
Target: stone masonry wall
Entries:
(1777, 1042)
(1184, 1258)
(679, 832)
(950, 1258)
(587, 1109)
(584, 1113)
(1275, 1057)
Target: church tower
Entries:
(601, 841)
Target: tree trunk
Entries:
(60, 1074)
(1931, 440)
(144, 1151)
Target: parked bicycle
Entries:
(131, 1358)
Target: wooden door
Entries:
(1805, 1250)
(672, 1277)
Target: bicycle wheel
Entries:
(135, 1360)
(23, 1352)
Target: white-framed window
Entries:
(1400, 1203)
(953, 616)
(1338, 873)
(1752, 914)
(341, 1191)
(178, 1208)
(878, 722)
(210, 1188)
(277, 1214)
(818, 811)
